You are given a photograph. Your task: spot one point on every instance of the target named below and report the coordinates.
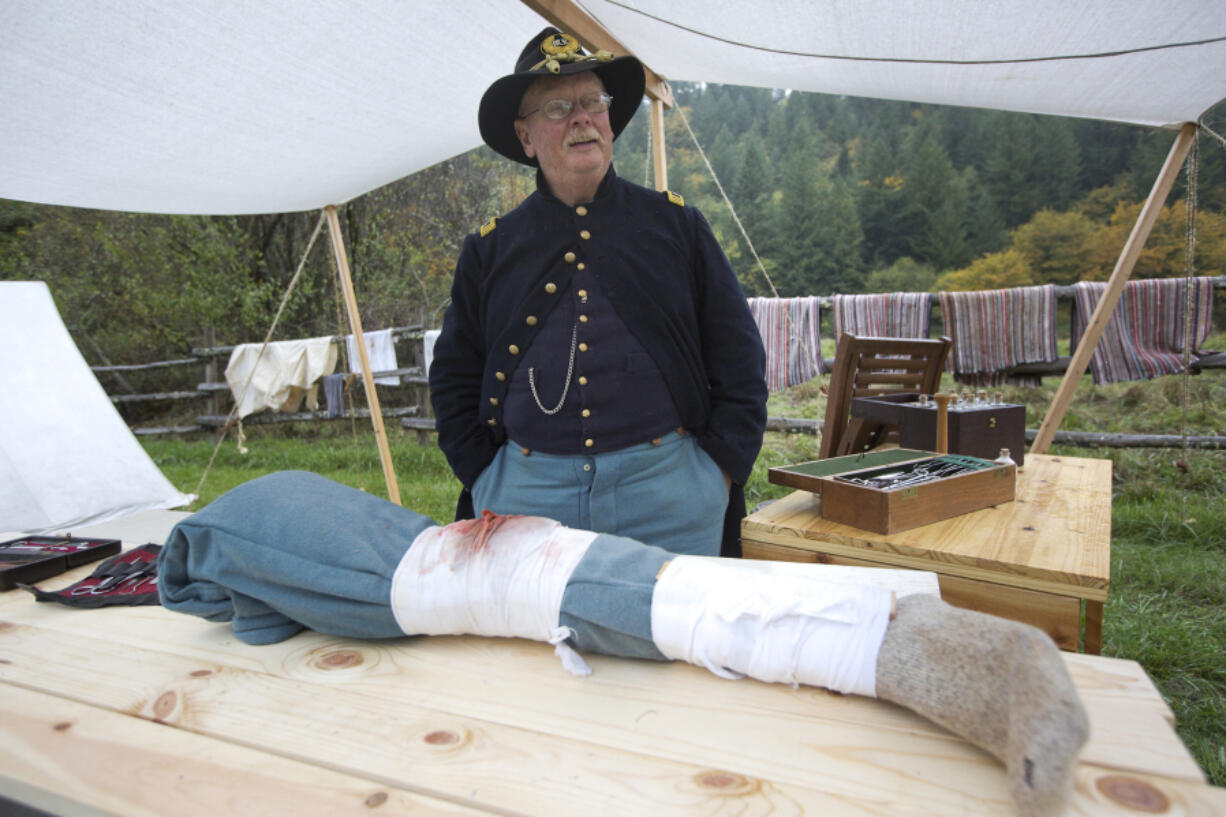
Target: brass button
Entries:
(492, 421)
(551, 287)
(582, 380)
(585, 235)
(582, 347)
(582, 293)
(581, 210)
(589, 442)
(583, 319)
(493, 401)
(582, 265)
(513, 349)
(570, 257)
(586, 413)
(500, 375)
(530, 320)
(525, 450)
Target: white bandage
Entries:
(494, 576)
(738, 621)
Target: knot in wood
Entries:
(442, 737)
(1134, 794)
(164, 705)
(723, 782)
(339, 659)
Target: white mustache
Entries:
(585, 135)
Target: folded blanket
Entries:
(1145, 336)
(789, 329)
(993, 330)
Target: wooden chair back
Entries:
(869, 367)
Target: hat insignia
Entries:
(559, 45)
(559, 48)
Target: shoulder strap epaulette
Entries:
(675, 198)
(488, 227)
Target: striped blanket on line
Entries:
(1144, 338)
(883, 315)
(993, 330)
(789, 328)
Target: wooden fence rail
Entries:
(1083, 439)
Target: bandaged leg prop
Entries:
(294, 550)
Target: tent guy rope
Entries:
(233, 416)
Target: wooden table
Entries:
(1036, 559)
(141, 711)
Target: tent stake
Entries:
(1115, 288)
(355, 323)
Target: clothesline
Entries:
(995, 332)
(1062, 292)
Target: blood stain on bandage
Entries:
(478, 531)
(470, 537)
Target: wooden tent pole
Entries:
(355, 323)
(657, 144)
(1115, 287)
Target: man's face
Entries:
(581, 145)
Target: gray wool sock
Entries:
(999, 684)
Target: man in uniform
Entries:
(598, 363)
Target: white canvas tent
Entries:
(67, 459)
(229, 107)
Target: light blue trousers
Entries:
(671, 495)
(293, 551)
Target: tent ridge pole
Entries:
(368, 381)
(1115, 288)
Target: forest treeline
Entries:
(835, 194)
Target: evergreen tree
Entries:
(934, 197)
(879, 202)
(985, 227)
(751, 196)
(1008, 171)
(839, 240)
(726, 156)
(797, 218)
(1057, 168)
(818, 228)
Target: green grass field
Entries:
(1168, 572)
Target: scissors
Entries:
(108, 585)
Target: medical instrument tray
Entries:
(34, 558)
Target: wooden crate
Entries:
(980, 431)
(903, 508)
